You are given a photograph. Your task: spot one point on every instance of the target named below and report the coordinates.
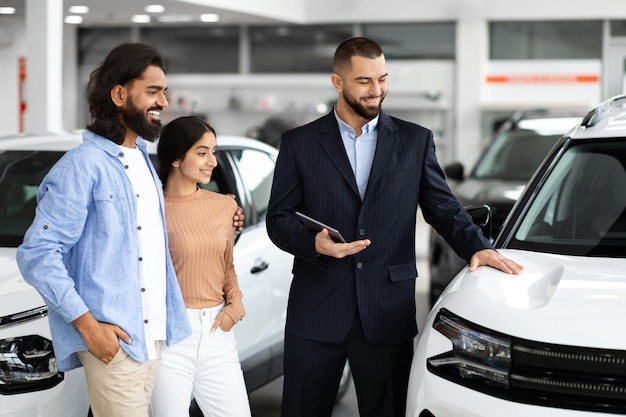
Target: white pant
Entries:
(205, 364)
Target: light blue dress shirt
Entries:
(360, 150)
(82, 252)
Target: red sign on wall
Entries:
(22, 86)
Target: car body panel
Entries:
(550, 288)
(474, 192)
(15, 294)
(67, 399)
(556, 300)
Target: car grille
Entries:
(568, 377)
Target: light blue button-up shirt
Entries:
(360, 150)
(82, 251)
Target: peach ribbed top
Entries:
(201, 237)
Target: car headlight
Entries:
(530, 372)
(27, 363)
(480, 358)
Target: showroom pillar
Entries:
(472, 43)
(44, 56)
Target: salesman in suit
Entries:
(364, 173)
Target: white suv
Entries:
(551, 341)
(30, 384)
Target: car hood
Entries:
(566, 300)
(474, 191)
(15, 294)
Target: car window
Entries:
(22, 172)
(257, 170)
(580, 208)
(515, 155)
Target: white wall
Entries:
(447, 10)
(326, 11)
(13, 46)
(286, 10)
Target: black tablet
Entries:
(318, 226)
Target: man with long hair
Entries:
(97, 248)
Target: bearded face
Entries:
(362, 86)
(146, 124)
(366, 107)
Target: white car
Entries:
(551, 341)
(498, 178)
(30, 384)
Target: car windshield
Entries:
(580, 207)
(515, 155)
(22, 172)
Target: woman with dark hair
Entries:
(201, 239)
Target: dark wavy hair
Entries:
(125, 63)
(177, 137)
(358, 46)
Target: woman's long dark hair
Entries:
(177, 137)
(124, 63)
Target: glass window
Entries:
(22, 172)
(435, 40)
(545, 40)
(257, 170)
(581, 206)
(296, 49)
(94, 44)
(618, 28)
(196, 50)
(515, 155)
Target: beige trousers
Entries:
(122, 388)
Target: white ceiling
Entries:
(119, 12)
(233, 12)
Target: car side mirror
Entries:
(481, 216)
(454, 171)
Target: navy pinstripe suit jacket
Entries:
(313, 175)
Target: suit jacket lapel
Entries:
(385, 145)
(331, 142)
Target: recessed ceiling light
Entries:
(209, 17)
(140, 18)
(154, 8)
(7, 10)
(79, 9)
(73, 20)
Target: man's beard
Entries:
(368, 113)
(138, 121)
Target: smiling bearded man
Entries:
(97, 248)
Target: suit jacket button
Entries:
(359, 265)
(361, 232)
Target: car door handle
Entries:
(259, 266)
